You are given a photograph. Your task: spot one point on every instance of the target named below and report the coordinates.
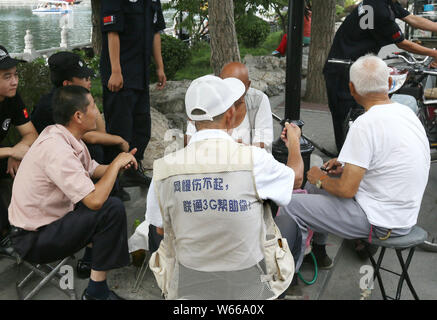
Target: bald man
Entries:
(253, 111)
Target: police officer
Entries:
(369, 27)
(131, 34)
(12, 112)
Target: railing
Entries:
(29, 53)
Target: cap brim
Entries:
(9, 62)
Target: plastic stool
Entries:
(416, 236)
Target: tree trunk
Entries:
(224, 44)
(322, 34)
(97, 32)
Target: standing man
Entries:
(369, 27)
(12, 111)
(131, 34)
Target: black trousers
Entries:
(340, 102)
(127, 114)
(106, 229)
(97, 152)
(4, 221)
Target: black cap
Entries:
(6, 62)
(65, 65)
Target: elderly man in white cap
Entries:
(211, 196)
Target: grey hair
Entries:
(370, 74)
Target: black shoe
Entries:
(122, 194)
(294, 291)
(133, 178)
(323, 261)
(362, 249)
(112, 296)
(83, 269)
(6, 246)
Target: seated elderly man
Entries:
(56, 209)
(210, 195)
(12, 112)
(383, 169)
(253, 108)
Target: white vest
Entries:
(214, 224)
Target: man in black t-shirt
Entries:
(12, 111)
(369, 27)
(131, 35)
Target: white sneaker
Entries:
(430, 243)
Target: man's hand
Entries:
(19, 150)
(13, 165)
(433, 64)
(162, 79)
(314, 174)
(115, 82)
(126, 160)
(290, 133)
(333, 167)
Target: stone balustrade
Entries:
(29, 53)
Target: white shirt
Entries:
(263, 121)
(273, 179)
(389, 142)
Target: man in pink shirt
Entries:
(56, 209)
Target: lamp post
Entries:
(293, 83)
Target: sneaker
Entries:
(323, 261)
(112, 296)
(430, 244)
(276, 53)
(133, 178)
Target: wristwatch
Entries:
(319, 182)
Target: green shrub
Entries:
(251, 30)
(34, 81)
(175, 54)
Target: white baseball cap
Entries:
(212, 95)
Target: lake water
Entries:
(46, 29)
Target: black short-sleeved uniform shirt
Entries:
(12, 111)
(136, 23)
(42, 114)
(352, 41)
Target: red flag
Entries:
(108, 20)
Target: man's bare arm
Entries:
(420, 23)
(115, 82)
(344, 187)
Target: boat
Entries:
(52, 7)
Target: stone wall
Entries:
(267, 74)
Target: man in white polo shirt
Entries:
(383, 169)
(211, 194)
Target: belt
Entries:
(16, 231)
